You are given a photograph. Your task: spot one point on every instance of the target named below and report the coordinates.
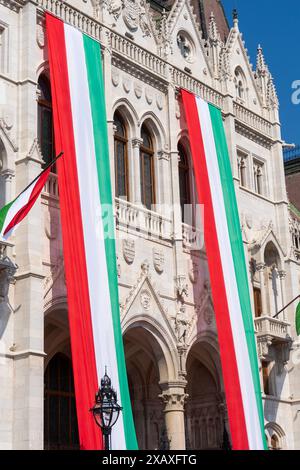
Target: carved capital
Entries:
(136, 142)
(163, 155)
(260, 266)
(174, 397)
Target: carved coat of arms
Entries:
(158, 260)
(131, 14)
(129, 250)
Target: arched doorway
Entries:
(204, 416)
(60, 424)
(145, 361)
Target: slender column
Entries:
(260, 268)
(282, 276)
(136, 143)
(174, 398)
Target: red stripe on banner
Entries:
(227, 352)
(82, 343)
(33, 197)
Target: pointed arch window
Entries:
(240, 83)
(45, 121)
(60, 423)
(184, 182)
(147, 168)
(121, 157)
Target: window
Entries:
(121, 159)
(240, 81)
(265, 376)
(258, 173)
(257, 302)
(242, 168)
(61, 431)
(147, 169)
(45, 121)
(184, 183)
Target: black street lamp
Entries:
(106, 409)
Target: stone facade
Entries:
(166, 308)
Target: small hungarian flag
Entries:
(298, 319)
(14, 212)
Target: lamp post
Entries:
(106, 409)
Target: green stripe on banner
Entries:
(3, 213)
(237, 252)
(96, 89)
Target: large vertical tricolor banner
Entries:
(89, 247)
(228, 274)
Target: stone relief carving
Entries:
(145, 299)
(129, 250)
(181, 287)
(193, 271)
(182, 325)
(131, 14)
(114, 7)
(40, 35)
(7, 272)
(158, 260)
(115, 78)
(138, 90)
(136, 14)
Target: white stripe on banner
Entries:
(91, 219)
(240, 343)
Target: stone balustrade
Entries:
(273, 327)
(251, 119)
(51, 186)
(143, 221)
(192, 238)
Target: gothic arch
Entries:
(156, 128)
(208, 353)
(273, 429)
(127, 111)
(160, 341)
(272, 255)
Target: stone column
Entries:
(137, 197)
(27, 352)
(174, 398)
(282, 276)
(8, 175)
(260, 268)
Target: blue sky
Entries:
(276, 26)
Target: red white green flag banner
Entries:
(89, 254)
(228, 274)
(14, 212)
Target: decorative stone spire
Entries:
(272, 98)
(164, 35)
(224, 68)
(261, 67)
(235, 19)
(213, 32)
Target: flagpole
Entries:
(37, 177)
(287, 305)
